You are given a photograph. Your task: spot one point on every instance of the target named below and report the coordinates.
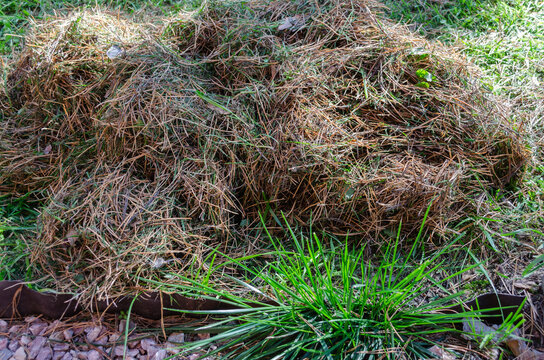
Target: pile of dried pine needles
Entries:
(322, 110)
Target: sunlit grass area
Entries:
(504, 38)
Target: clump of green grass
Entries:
(16, 217)
(324, 301)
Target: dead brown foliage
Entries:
(312, 109)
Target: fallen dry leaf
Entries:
(292, 23)
(526, 285)
(71, 237)
(218, 109)
(442, 353)
(522, 351)
(515, 343)
(115, 51)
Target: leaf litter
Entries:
(161, 141)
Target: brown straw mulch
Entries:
(318, 110)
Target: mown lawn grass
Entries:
(505, 39)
